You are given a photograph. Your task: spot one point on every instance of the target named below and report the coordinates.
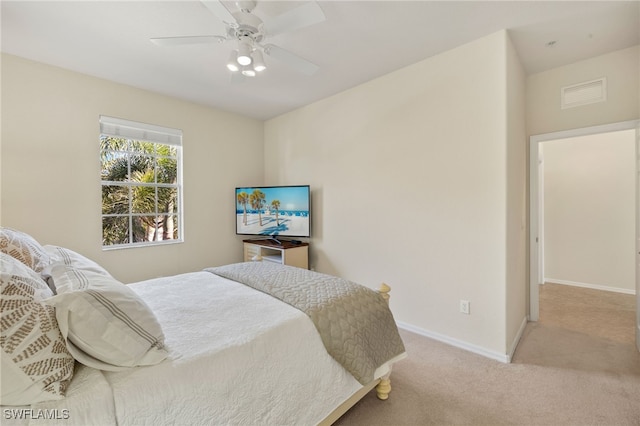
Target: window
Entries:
(141, 178)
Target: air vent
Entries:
(585, 93)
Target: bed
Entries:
(248, 343)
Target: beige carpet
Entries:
(577, 366)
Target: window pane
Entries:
(143, 199)
(143, 228)
(166, 170)
(109, 143)
(142, 168)
(115, 166)
(172, 223)
(167, 200)
(167, 227)
(147, 147)
(166, 151)
(115, 199)
(115, 230)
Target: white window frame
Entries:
(134, 131)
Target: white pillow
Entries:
(36, 365)
(72, 258)
(106, 325)
(69, 258)
(23, 247)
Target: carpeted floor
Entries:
(578, 365)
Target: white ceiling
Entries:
(359, 41)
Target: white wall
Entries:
(51, 169)
(516, 300)
(589, 211)
(409, 182)
(622, 70)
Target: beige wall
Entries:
(51, 169)
(622, 70)
(516, 279)
(409, 181)
(589, 210)
(417, 176)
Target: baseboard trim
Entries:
(516, 340)
(591, 286)
(504, 358)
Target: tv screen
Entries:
(272, 211)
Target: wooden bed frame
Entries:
(382, 385)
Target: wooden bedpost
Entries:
(384, 387)
(384, 292)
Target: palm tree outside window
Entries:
(141, 184)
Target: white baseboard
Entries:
(459, 343)
(516, 340)
(591, 286)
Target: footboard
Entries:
(384, 387)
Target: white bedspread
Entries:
(237, 356)
(88, 402)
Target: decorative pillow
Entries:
(23, 247)
(106, 325)
(72, 258)
(69, 258)
(36, 365)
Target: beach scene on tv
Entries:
(273, 211)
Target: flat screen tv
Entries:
(274, 211)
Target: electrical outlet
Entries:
(465, 306)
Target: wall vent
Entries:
(585, 93)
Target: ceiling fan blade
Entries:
(217, 8)
(291, 59)
(302, 16)
(179, 41)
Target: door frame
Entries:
(535, 240)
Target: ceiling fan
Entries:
(250, 34)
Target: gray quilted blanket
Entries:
(354, 322)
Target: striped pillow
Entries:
(69, 258)
(36, 365)
(72, 258)
(106, 325)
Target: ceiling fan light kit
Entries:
(244, 51)
(232, 63)
(249, 31)
(258, 61)
(248, 71)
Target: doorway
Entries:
(537, 267)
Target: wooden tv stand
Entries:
(286, 253)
